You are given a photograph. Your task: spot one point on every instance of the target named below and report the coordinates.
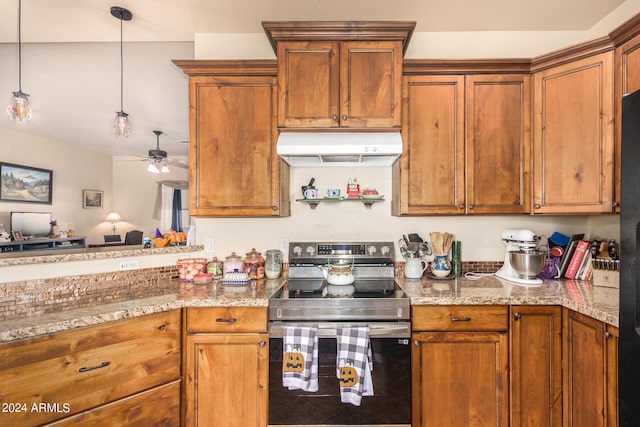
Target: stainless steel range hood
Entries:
(339, 148)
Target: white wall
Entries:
(74, 169)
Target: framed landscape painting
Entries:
(92, 198)
(24, 184)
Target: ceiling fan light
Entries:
(165, 169)
(121, 125)
(153, 168)
(19, 109)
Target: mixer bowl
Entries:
(528, 264)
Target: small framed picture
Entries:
(17, 235)
(92, 199)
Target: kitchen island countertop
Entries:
(598, 302)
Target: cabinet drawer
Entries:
(159, 406)
(459, 318)
(70, 372)
(226, 319)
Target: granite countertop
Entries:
(598, 302)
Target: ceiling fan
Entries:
(158, 161)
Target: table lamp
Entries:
(113, 217)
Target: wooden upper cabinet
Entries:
(627, 58)
(498, 139)
(339, 74)
(467, 145)
(234, 168)
(574, 137)
(428, 178)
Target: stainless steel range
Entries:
(322, 294)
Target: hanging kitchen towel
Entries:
(300, 358)
(354, 364)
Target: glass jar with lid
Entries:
(233, 263)
(254, 264)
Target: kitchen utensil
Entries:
(414, 237)
(338, 274)
(528, 264)
(527, 260)
(424, 249)
(308, 186)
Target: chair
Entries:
(112, 238)
(133, 237)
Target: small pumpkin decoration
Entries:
(348, 375)
(293, 360)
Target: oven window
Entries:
(391, 403)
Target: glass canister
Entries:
(233, 263)
(215, 267)
(254, 264)
(273, 263)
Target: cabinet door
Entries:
(460, 379)
(234, 168)
(612, 334)
(226, 380)
(573, 137)
(308, 75)
(535, 341)
(370, 84)
(429, 176)
(498, 144)
(627, 81)
(586, 371)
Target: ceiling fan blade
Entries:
(178, 164)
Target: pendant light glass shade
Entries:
(19, 109)
(121, 126)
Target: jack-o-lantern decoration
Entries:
(293, 360)
(348, 375)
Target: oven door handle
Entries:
(384, 331)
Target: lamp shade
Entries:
(113, 217)
(19, 109)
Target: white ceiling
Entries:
(71, 62)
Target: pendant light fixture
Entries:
(121, 125)
(19, 109)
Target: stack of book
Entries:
(575, 262)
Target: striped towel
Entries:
(300, 358)
(354, 364)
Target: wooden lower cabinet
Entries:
(159, 406)
(226, 372)
(590, 371)
(460, 378)
(535, 343)
(94, 374)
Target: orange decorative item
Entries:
(160, 242)
(293, 361)
(348, 375)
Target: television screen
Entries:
(31, 224)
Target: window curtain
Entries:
(168, 201)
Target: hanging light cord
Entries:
(121, 66)
(19, 46)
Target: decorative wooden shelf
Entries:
(313, 203)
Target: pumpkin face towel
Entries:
(300, 358)
(354, 364)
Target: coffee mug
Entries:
(333, 192)
(310, 193)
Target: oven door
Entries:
(391, 404)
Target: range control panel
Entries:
(320, 252)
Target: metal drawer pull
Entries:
(91, 368)
(230, 320)
(162, 327)
(517, 315)
(460, 319)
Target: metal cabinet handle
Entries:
(615, 204)
(416, 343)
(91, 368)
(262, 343)
(162, 327)
(334, 117)
(537, 206)
(230, 320)
(517, 315)
(274, 208)
(461, 206)
(344, 117)
(460, 319)
(607, 334)
(472, 206)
